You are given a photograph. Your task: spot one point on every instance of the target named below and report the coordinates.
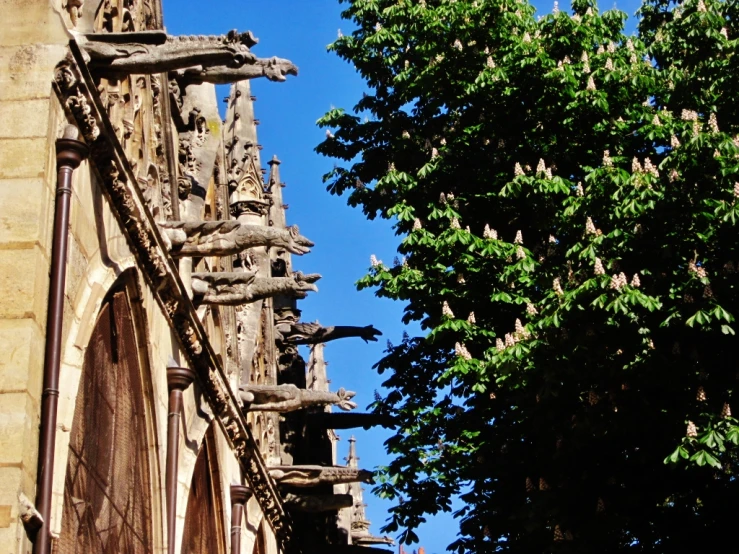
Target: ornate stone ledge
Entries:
(77, 93)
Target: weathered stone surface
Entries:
(24, 118)
(33, 21)
(25, 209)
(26, 71)
(25, 157)
(18, 422)
(24, 277)
(21, 356)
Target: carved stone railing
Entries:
(77, 93)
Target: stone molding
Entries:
(77, 93)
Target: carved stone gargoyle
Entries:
(224, 238)
(237, 288)
(314, 333)
(274, 69)
(148, 52)
(311, 476)
(318, 503)
(289, 398)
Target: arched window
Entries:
(260, 544)
(107, 489)
(203, 533)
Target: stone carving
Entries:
(224, 238)
(29, 515)
(147, 52)
(236, 288)
(74, 8)
(311, 476)
(317, 503)
(289, 398)
(314, 333)
(67, 79)
(274, 69)
(119, 184)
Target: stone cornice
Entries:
(78, 94)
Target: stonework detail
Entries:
(174, 206)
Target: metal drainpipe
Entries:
(178, 379)
(69, 154)
(240, 495)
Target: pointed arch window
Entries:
(107, 489)
(204, 531)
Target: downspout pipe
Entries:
(240, 495)
(69, 154)
(178, 379)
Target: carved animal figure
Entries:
(311, 476)
(274, 69)
(314, 333)
(237, 288)
(318, 503)
(148, 52)
(289, 398)
(224, 238)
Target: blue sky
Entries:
(300, 30)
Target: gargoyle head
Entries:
(297, 243)
(304, 283)
(345, 397)
(366, 476)
(369, 333)
(277, 69)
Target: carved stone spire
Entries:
(275, 185)
(359, 523)
(317, 378)
(243, 166)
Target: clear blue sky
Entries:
(299, 30)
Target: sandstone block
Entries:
(25, 157)
(18, 429)
(24, 218)
(24, 282)
(21, 356)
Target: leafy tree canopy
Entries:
(565, 201)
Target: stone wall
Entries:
(31, 43)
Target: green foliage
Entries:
(566, 209)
